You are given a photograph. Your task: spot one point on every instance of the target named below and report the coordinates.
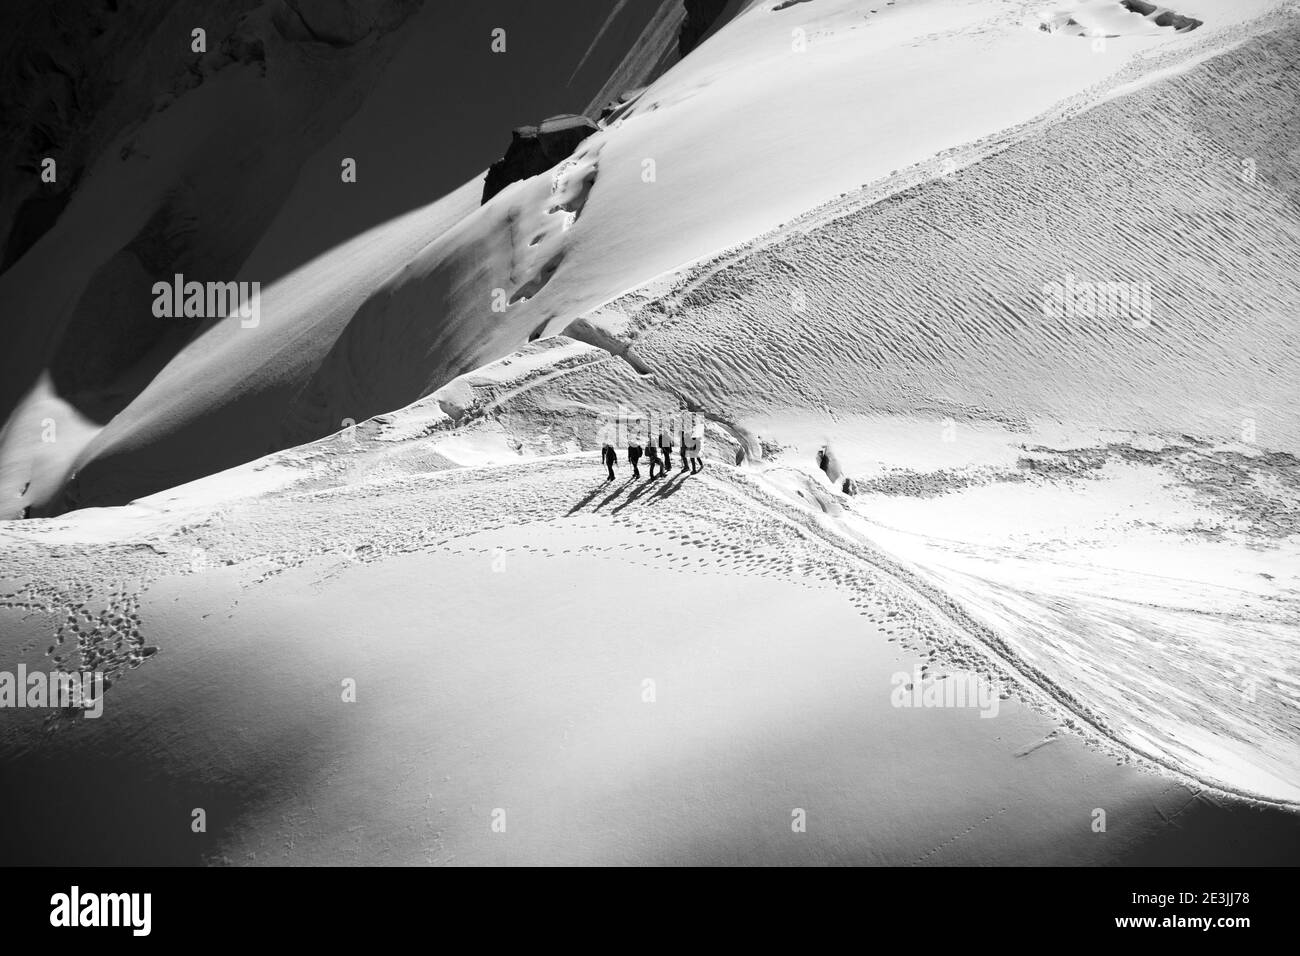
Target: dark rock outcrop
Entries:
(617, 106)
(535, 149)
(1164, 18)
(700, 17)
(677, 28)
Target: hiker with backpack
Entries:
(697, 445)
(634, 456)
(666, 446)
(652, 455)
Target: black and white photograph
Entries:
(650, 433)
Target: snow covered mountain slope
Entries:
(1046, 358)
(627, 673)
(777, 112)
(1133, 267)
(1111, 486)
(227, 164)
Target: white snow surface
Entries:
(844, 249)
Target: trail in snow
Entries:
(737, 525)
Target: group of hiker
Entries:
(658, 451)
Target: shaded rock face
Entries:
(73, 78)
(677, 28)
(339, 23)
(169, 156)
(700, 16)
(73, 83)
(535, 149)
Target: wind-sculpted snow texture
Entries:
(776, 112)
(942, 306)
(1025, 407)
(937, 299)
